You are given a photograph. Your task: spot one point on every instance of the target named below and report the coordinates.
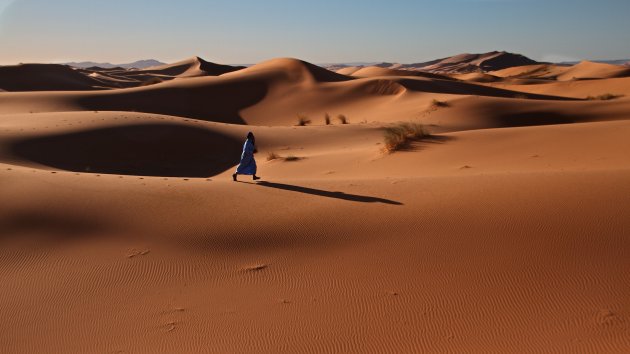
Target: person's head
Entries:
(250, 136)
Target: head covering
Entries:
(250, 136)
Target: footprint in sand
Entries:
(170, 326)
(135, 253)
(606, 317)
(255, 268)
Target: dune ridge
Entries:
(58, 77)
(44, 77)
(191, 67)
(580, 71)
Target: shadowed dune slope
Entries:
(466, 63)
(483, 113)
(55, 77)
(45, 77)
(213, 99)
(157, 149)
(468, 88)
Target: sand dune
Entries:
(375, 71)
(349, 70)
(466, 63)
(504, 231)
(45, 77)
(457, 64)
(476, 77)
(590, 70)
(191, 67)
(55, 77)
(619, 88)
(156, 149)
(536, 71)
(583, 70)
(291, 69)
(272, 92)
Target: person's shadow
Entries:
(324, 193)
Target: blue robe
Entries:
(248, 164)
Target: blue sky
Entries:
(323, 31)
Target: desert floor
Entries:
(507, 230)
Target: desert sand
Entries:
(506, 230)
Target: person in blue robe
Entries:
(247, 166)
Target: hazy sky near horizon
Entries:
(322, 31)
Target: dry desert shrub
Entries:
(343, 119)
(327, 119)
(272, 156)
(439, 104)
(303, 120)
(604, 97)
(400, 135)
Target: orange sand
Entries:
(507, 231)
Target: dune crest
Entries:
(580, 71)
(191, 67)
(293, 70)
(45, 77)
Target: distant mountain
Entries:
(140, 64)
(461, 63)
(625, 62)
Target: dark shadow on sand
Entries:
(424, 142)
(157, 149)
(221, 102)
(534, 118)
(324, 193)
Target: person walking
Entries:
(247, 166)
